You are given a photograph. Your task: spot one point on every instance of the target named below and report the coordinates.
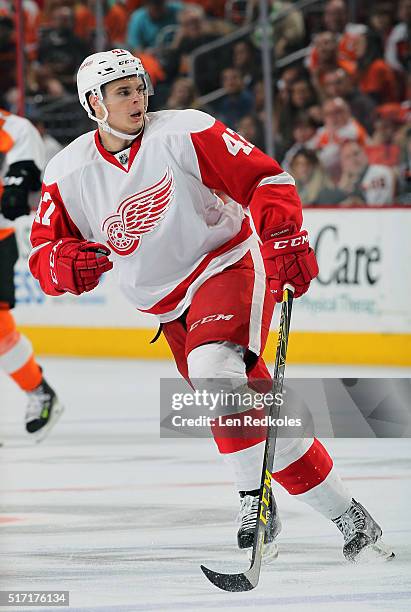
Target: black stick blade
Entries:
(245, 581)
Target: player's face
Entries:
(124, 100)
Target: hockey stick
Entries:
(248, 580)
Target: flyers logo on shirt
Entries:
(139, 214)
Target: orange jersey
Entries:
(351, 131)
(379, 79)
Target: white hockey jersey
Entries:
(154, 205)
(19, 141)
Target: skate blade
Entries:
(377, 552)
(270, 552)
(38, 436)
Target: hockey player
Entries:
(23, 151)
(140, 190)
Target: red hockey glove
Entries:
(288, 258)
(76, 265)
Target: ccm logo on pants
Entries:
(216, 317)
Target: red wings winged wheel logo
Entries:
(139, 214)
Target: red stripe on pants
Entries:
(307, 472)
(233, 438)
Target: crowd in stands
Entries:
(341, 81)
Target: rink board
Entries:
(357, 311)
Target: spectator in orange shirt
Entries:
(31, 24)
(327, 58)
(335, 20)
(59, 48)
(375, 77)
(84, 20)
(116, 21)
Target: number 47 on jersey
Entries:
(236, 143)
(45, 209)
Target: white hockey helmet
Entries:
(101, 68)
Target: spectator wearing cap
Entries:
(146, 22)
(237, 100)
(373, 183)
(339, 126)
(338, 84)
(375, 77)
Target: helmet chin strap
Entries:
(104, 125)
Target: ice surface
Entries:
(122, 519)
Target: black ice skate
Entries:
(248, 518)
(43, 411)
(362, 535)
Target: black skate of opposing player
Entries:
(43, 411)
(248, 518)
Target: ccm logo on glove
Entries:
(290, 260)
(292, 242)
